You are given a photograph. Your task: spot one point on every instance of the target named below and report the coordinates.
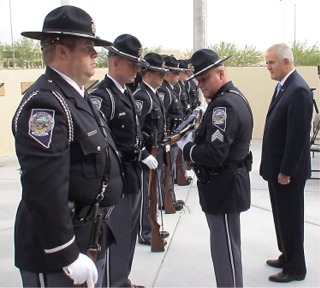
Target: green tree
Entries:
(248, 56)
(305, 55)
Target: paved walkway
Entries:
(186, 261)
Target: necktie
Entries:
(279, 86)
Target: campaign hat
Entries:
(171, 63)
(155, 61)
(68, 20)
(128, 46)
(184, 65)
(204, 59)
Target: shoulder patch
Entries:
(139, 105)
(41, 124)
(96, 101)
(219, 117)
(161, 95)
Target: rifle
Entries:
(180, 175)
(168, 201)
(190, 124)
(157, 244)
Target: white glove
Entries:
(167, 148)
(184, 140)
(82, 270)
(151, 162)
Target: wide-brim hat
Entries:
(128, 46)
(204, 59)
(68, 21)
(155, 61)
(171, 63)
(184, 65)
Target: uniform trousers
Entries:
(225, 242)
(174, 149)
(124, 221)
(144, 234)
(287, 202)
(57, 279)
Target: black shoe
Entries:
(177, 206)
(180, 202)
(164, 234)
(145, 242)
(283, 278)
(275, 263)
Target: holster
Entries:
(201, 172)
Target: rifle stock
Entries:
(168, 201)
(157, 244)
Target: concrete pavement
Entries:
(186, 261)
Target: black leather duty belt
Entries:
(226, 168)
(85, 212)
(130, 156)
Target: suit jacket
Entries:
(62, 153)
(286, 139)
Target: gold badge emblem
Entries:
(93, 27)
(140, 52)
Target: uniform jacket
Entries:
(286, 139)
(173, 107)
(223, 137)
(120, 112)
(151, 115)
(62, 153)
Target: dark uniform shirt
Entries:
(62, 152)
(222, 141)
(173, 107)
(120, 112)
(151, 114)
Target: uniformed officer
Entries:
(152, 118)
(219, 155)
(174, 114)
(115, 101)
(66, 153)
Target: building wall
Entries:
(254, 82)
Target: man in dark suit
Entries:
(65, 153)
(285, 160)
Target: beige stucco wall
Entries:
(254, 82)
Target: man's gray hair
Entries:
(283, 51)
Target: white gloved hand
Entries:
(184, 140)
(167, 148)
(82, 270)
(151, 162)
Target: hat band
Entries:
(70, 33)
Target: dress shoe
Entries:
(275, 263)
(146, 242)
(177, 206)
(283, 278)
(180, 202)
(164, 234)
(137, 286)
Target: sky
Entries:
(168, 24)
